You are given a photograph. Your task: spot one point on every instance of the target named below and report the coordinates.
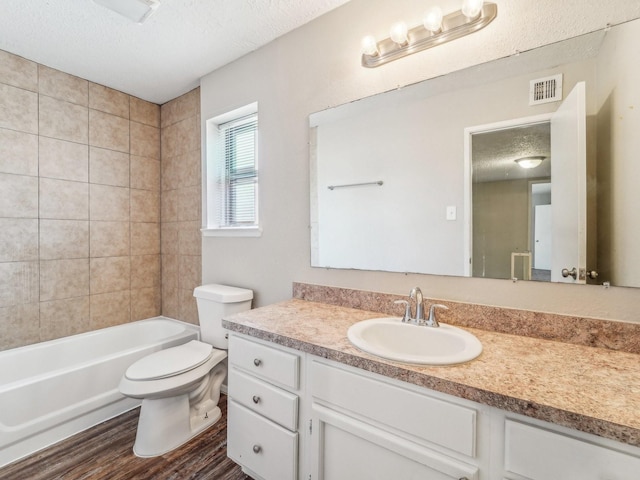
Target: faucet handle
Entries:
(432, 321)
(407, 310)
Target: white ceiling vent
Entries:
(545, 90)
(135, 10)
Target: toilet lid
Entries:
(169, 362)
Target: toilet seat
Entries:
(186, 376)
(169, 362)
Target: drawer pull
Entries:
(256, 399)
(257, 362)
(257, 449)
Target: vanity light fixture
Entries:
(435, 30)
(135, 10)
(530, 162)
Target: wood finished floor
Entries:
(105, 452)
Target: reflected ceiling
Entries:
(494, 153)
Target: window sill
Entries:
(232, 232)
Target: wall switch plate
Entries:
(451, 213)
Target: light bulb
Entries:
(398, 33)
(471, 8)
(369, 46)
(433, 19)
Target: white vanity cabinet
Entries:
(263, 387)
(533, 452)
(366, 427)
(296, 416)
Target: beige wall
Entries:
(618, 192)
(318, 66)
(500, 226)
(181, 206)
(79, 205)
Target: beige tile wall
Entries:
(80, 204)
(181, 206)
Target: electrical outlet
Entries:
(451, 213)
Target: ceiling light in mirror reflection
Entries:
(496, 153)
(529, 162)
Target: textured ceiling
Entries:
(158, 60)
(494, 153)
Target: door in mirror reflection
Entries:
(569, 187)
(542, 234)
(529, 194)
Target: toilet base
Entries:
(167, 423)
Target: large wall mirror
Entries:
(425, 179)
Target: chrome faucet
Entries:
(416, 295)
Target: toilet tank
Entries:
(214, 303)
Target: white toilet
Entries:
(180, 386)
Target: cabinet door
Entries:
(346, 448)
(436, 421)
(540, 454)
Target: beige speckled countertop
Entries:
(594, 390)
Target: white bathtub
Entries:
(55, 389)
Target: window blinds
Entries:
(238, 173)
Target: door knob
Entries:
(570, 273)
(592, 274)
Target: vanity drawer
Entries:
(266, 362)
(260, 445)
(564, 456)
(398, 409)
(261, 397)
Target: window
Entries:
(232, 173)
(236, 173)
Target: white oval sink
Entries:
(404, 342)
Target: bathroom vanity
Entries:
(305, 404)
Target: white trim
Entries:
(232, 232)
